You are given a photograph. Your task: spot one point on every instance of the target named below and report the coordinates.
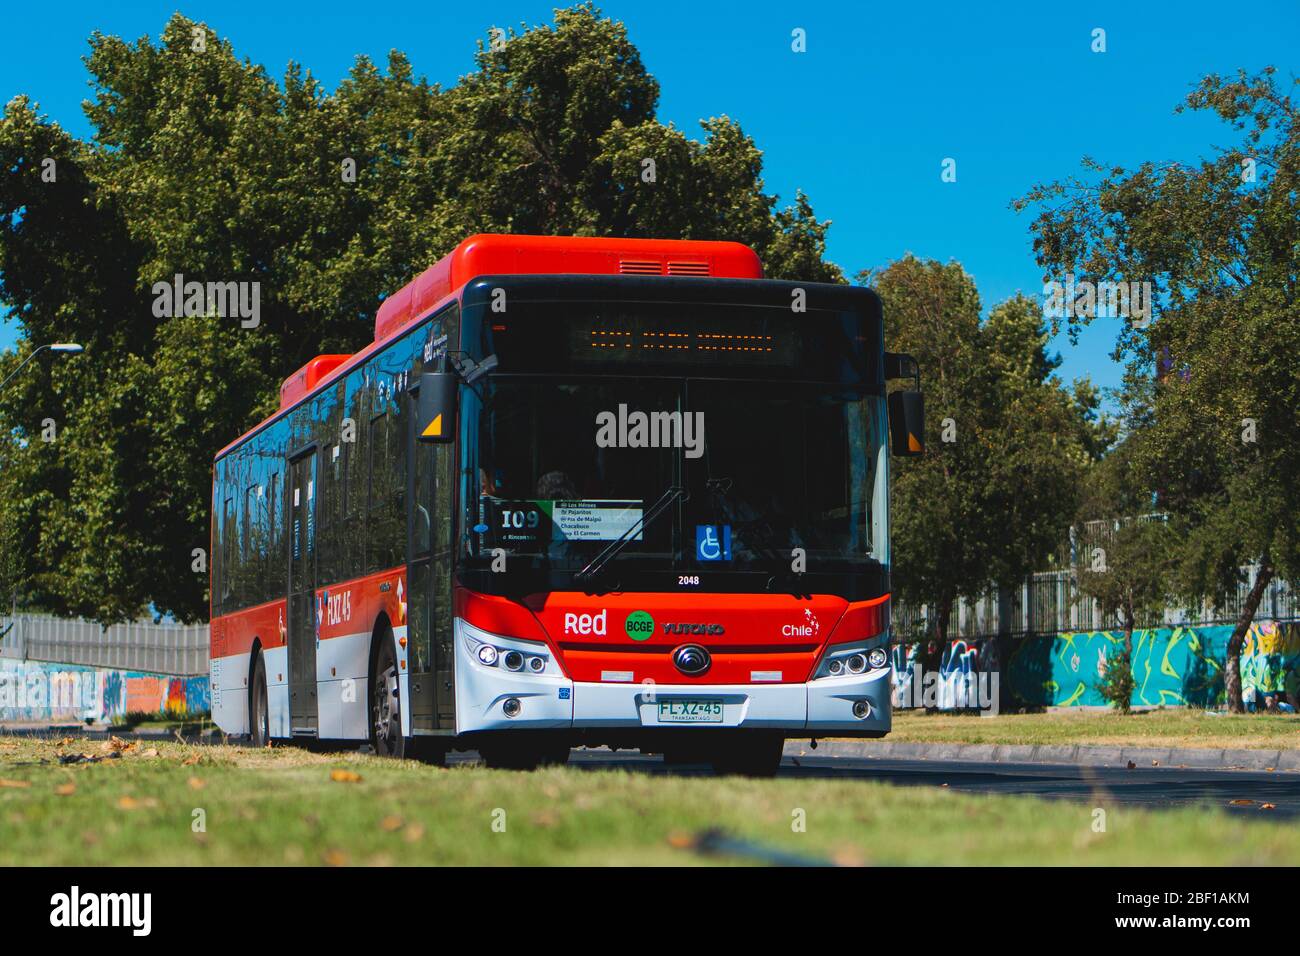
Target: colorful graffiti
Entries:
(1179, 666)
(955, 686)
(1270, 662)
(37, 691)
(1171, 666)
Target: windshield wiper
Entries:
(592, 571)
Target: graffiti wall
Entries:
(1180, 666)
(36, 691)
(955, 685)
(1270, 661)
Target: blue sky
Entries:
(861, 121)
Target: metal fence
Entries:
(176, 649)
(1051, 603)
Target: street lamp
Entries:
(66, 348)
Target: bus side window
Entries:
(378, 531)
(229, 571)
(274, 556)
(248, 548)
(397, 478)
(354, 483)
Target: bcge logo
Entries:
(586, 623)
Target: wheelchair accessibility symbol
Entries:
(712, 542)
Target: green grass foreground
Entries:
(285, 806)
(1181, 727)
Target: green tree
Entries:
(203, 165)
(996, 490)
(1219, 241)
(1126, 555)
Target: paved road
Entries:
(1155, 788)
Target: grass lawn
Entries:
(1182, 727)
(289, 806)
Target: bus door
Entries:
(421, 525)
(301, 622)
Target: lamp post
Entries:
(66, 348)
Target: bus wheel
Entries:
(259, 714)
(386, 702)
(753, 754)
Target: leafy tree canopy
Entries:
(203, 165)
(1006, 441)
(1219, 242)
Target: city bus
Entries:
(576, 492)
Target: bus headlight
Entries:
(487, 654)
(843, 660)
(513, 661)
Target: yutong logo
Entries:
(692, 659)
(103, 909)
(694, 629)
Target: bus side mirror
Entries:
(436, 407)
(907, 423)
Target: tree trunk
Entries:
(1128, 652)
(1232, 666)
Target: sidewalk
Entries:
(1201, 758)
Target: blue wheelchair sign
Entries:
(712, 542)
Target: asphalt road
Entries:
(1156, 788)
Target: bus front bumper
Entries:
(488, 696)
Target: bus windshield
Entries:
(560, 466)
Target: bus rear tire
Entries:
(259, 713)
(753, 754)
(386, 702)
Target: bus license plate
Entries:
(690, 711)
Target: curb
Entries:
(1143, 757)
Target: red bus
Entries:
(577, 492)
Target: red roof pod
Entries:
(306, 378)
(492, 254)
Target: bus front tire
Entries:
(386, 702)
